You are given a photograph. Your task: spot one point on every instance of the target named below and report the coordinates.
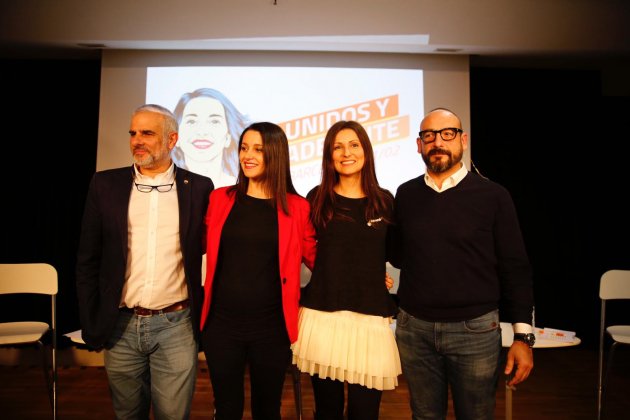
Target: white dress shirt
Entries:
(155, 272)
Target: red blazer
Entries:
(296, 244)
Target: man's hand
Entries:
(521, 357)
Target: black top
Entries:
(462, 252)
(247, 292)
(349, 271)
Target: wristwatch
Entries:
(528, 339)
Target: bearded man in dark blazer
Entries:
(139, 272)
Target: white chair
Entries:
(614, 284)
(36, 278)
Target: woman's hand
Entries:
(389, 281)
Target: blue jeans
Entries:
(152, 359)
(464, 355)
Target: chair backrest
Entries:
(615, 284)
(28, 278)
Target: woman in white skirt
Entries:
(346, 309)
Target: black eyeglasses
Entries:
(148, 188)
(447, 134)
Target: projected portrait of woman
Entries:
(209, 129)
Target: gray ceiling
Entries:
(491, 28)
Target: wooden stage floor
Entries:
(562, 386)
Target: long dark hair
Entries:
(379, 200)
(277, 177)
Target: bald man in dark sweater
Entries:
(462, 257)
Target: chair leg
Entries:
(297, 390)
(606, 375)
(53, 390)
(47, 381)
(50, 378)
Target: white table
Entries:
(75, 337)
(507, 337)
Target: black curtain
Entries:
(50, 136)
(561, 149)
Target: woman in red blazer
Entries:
(259, 233)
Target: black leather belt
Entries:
(140, 311)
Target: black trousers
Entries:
(267, 355)
(363, 402)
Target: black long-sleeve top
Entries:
(462, 252)
(349, 272)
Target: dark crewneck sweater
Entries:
(462, 252)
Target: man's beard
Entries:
(149, 160)
(440, 166)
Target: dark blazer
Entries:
(102, 254)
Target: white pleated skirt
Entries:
(347, 346)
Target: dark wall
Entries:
(49, 143)
(561, 149)
(549, 136)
